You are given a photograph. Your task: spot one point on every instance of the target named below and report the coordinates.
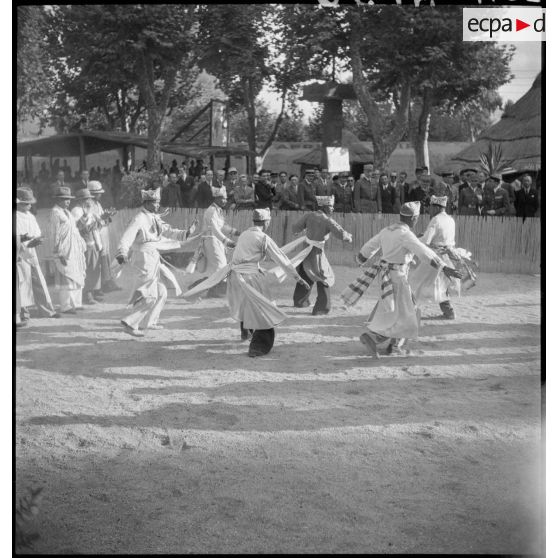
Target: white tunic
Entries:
(440, 231)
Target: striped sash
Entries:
(352, 293)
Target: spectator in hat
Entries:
(32, 287)
(89, 227)
(307, 192)
(466, 175)
(367, 194)
(68, 252)
(104, 218)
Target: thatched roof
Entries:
(358, 152)
(518, 133)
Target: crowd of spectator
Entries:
(470, 192)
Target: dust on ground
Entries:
(180, 443)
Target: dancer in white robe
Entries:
(144, 238)
(394, 316)
(248, 293)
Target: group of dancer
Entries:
(389, 254)
(248, 286)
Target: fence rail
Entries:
(499, 244)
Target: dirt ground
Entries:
(180, 443)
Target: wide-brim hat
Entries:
(62, 192)
(83, 194)
(95, 187)
(232, 169)
(467, 169)
(25, 195)
(153, 195)
(368, 166)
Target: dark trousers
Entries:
(262, 339)
(301, 294)
(446, 307)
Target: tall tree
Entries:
(246, 47)
(126, 61)
(34, 78)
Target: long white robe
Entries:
(396, 317)
(214, 231)
(68, 243)
(143, 237)
(26, 223)
(439, 234)
(248, 293)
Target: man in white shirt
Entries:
(394, 317)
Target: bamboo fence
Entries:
(498, 244)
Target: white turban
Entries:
(261, 214)
(410, 209)
(151, 195)
(325, 200)
(439, 200)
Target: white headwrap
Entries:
(261, 214)
(151, 195)
(439, 200)
(325, 200)
(410, 209)
(219, 192)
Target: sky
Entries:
(525, 66)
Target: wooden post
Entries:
(82, 160)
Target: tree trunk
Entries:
(420, 144)
(384, 144)
(250, 104)
(155, 111)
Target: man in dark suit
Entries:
(204, 195)
(265, 192)
(307, 192)
(389, 194)
(83, 180)
(526, 199)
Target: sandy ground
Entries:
(180, 443)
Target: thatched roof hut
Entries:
(358, 152)
(518, 135)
